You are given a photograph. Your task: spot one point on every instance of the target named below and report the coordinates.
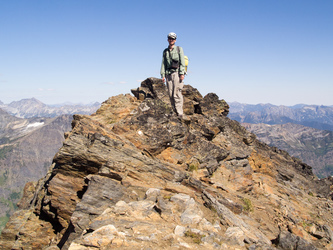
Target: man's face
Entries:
(171, 41)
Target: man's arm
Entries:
(181, 64)
(163, 68)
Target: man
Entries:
(173, 72)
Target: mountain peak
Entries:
(27, 101)
(28, 108)
(319, 117)
(134, 175)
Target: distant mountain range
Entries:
(314, 116)
(304, 131)
(31, 132)
(27, 108)
(313, 146)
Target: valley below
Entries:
(312, 146)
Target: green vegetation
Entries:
(329, 170)
(325, 145)
(325, 172)
(4, 140)
(3, 178)
(167, 197)
(320, 151)
(15, 196)
(192, 167)
(248, 207)
(213, 209)
(4, 150)
(11, 207)
(3, 221)
(306, 224)
(196, 237)
(9, 203)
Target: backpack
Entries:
(186, 63)
(186, 60)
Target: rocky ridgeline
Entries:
(135, 176)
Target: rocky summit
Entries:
(135, 176)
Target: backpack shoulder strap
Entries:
(164, 51)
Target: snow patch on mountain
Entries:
(36, 124)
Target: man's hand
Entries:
(181, 77)
(163, 79)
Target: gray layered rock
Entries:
(27, 147)
(133, 175)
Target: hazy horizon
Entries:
(259, 51)
(93, 102)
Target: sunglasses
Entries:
(169, 38)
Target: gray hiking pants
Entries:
(175, 87)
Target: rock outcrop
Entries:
(27, 147)
(133, 175)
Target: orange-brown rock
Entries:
(134, 175)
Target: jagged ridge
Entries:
(133, 175)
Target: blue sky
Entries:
(258, 51)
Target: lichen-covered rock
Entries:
(133, 175)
